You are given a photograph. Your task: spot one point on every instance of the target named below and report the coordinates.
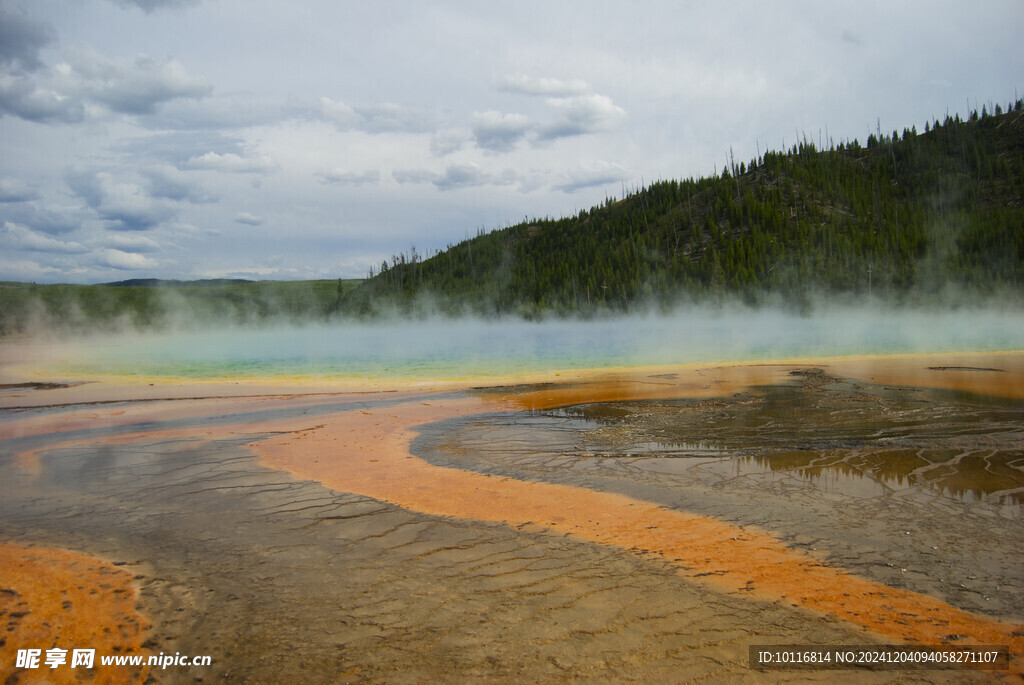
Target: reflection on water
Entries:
(842, 439)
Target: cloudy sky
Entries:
(311, 139)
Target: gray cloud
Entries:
(150, 6)
(177, 147)
(15, 190)
(461, 176)
(391, 118)
(378, 118)
(600, 174)
(125, 206)
(582, 114)
(22, 97)
(248, 219)
(456, 176)
(167, 182)
(404, 176)
(50, 219)
(21, 39)
(15, 236)
(348, 178)
(135, 85)
(131, 242)
(214, 112)
(497, 132)
(86, 185)
(446, 142)
(851, 38)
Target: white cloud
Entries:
(124, 261)
(230, 162)
(131, 242)
(338, 113)
(551, 87)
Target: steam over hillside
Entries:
(907, 216)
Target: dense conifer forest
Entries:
(902, 217)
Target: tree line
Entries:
(905, 215)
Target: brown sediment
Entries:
(57, 599)
(368, 453)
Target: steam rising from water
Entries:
(462, 348)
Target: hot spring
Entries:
(472, 348)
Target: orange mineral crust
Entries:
(57, 599)
(998, 374)
(367, 452)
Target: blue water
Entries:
(443, 348)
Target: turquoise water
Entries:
(462, 348)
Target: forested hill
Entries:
(904, 215)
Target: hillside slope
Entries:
(154, 303)
(906, 215)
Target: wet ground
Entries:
(278, 576)
(918, 489)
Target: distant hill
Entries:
(903, 216)
(172, 283)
